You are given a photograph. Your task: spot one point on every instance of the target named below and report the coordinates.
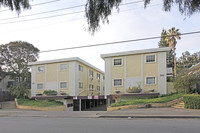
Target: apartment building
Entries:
(145, 68)
(72, 78)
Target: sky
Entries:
(131, 22)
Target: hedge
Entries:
(192, 101)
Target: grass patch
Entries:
(161, 99)
(39, 103)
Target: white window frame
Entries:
(40, 71)
(116, 59)
(91, 74)
(80, 85)
(40, 88)
(98, 88)
(150, 77)
(91, 87)
(80, 68)
(63, 68)
(63, 87)
(98, 76)
(117, 79)
(150, 55)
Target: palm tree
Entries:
(171, 37)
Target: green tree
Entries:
(99, 10)
(15, 57)
(163, 43)
(187, 60)
(186, 81)
(171, 37)
(16, 5)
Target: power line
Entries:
(42, 18)
(62, 10)
(117, 42)
(76, 19)
(55, 15)
(38, 4)
(43, 12)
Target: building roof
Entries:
(195, 68)
(64, 60)
(144, 51)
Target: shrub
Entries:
(39, 103)
(50, 92)
(192, 101)
(134, 89)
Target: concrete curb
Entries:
(166, 117)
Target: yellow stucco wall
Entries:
(40, 76)
(117, 73)
(63, 76)
(51, 72)
(136, 67)
(133, 65)
(87, 80)
(150, 70)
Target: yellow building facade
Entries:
(146, 69)
(70, 76)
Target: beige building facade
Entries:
(69, 76)
(145, 68)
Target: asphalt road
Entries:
(97, 125)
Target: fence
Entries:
(5, 96)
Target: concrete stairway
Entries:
(179, 105)
(8, 105)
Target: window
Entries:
(98, 88)
(91, 87)
(91, 73)
(41, 69)
(63, 85)
(117, 82)
(117, 62)
(63, 67)
(80, 68)
(80, 85)
(98, 76)
(39, 86)
(150, 58)
(103, 77)
(150, 80)
(103, 88)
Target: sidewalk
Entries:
(129, 113)
(152, 113)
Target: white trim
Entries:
(79, 85)
(150, 55)
(153, 50)
(142, 70)
(114, 61)
(125, 74)
(65, 60)
(92, 73)
(42, 86)
(45, 66)
(150, 77)
(41, 71)
(80, 66)
(63, 82)
(118, 85)
(91, 89)
(64, 69)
